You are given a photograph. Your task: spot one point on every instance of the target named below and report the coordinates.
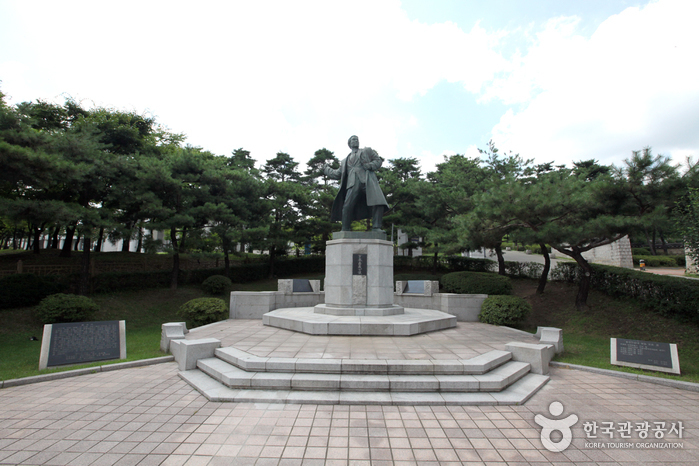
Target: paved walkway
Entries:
(149, 416)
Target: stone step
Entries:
(410, 322)
(517, 393)
(234, 377)
(478, 365)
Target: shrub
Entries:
(668, 296)
(216, 284)
(515, 269)
(504, 310)
(469, 264)
(476, 283)
(202, 311)
(656, 261)
(60, 308)
(25, 289)
(565, 272)
(640, 251)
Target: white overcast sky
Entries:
(555, 80)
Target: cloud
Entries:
(631, 84)
(267, 76)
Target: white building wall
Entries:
(402, 238)
(617, 254)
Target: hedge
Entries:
(244, 273)
(26, 289)
(660, 261)
(669, 296)
(475, 283)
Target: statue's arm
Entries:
(374, 160)
(332, 173)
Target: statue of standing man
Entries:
(360, 196)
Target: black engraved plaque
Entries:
(80, 342)
(358, 264)
(415, 286)
(649, 353)
(302, 285)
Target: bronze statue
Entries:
(360, 196)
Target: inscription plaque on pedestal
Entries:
(648, 355)
(359, 264)
(80, 342)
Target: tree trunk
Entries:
(272, 253)
(84, 285)
(77, 242)
(139, 246)
(226, 259)
(37, 238)
(54, 237)
(501, 259)
(435, 259)
(100, 238)
(68, 242)
(126, 243)
(184, 235)
(662, 240)
(650, 241)
(175, 260)
(585, 280)
(653, 250)
(545, 272)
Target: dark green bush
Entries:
(681, 261)
(669, 296)
(515, 269)
(475, 283)
(202, 311)
(118, 281)
(640, 251)
(216, 284)
(469, 264)
(656, 261)
(504, 310)
(60, 308)
(565, 272)
(26, 289)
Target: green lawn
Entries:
(585, 335)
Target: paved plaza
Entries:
(150, 416)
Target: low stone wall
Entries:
(255, 304)
(465, 307)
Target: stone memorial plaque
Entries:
(81, 342)
(415, 286)
(358, 264)
(302, 285)
(648, 355)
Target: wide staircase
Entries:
(493, 378)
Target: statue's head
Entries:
(353, 142)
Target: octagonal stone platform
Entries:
(411, 322)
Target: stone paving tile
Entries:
(149, 416)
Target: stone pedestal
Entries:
(359, 276)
